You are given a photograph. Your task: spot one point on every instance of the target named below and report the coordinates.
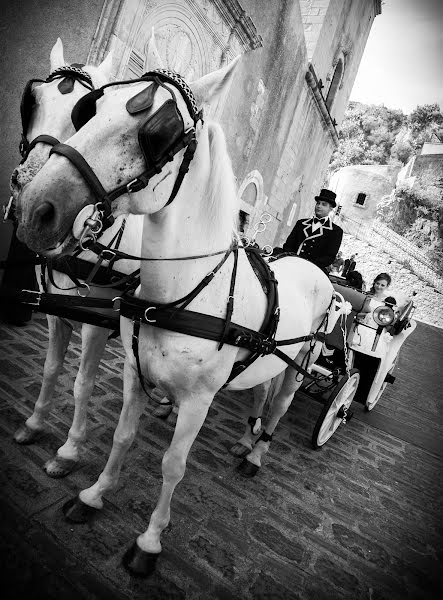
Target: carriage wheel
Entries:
(376, 394)
(335, 410)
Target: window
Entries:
(249, 194)
(336, 80)
(361, 199)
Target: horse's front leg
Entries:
(67, 457)
(90, 500)
(253, 426)
(140, 559)
(279, 405)
(59, 336)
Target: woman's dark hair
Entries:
(390, 300)
(355, 279)
(379, 277)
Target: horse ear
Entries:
(208, 88)
(105, 68)
(153, 58)
(56, 57)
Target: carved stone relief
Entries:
(194, 37)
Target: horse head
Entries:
(131, 136)
(46, 108)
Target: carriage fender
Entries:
(388, 359)
(339, 306)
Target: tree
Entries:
(372, 134)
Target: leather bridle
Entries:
(68, 74)
(167, 117)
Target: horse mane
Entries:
(222, 201)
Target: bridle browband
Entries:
(68, 74)
(102, 217)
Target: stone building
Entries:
(281, 114)
(425, 168)
(360, 188)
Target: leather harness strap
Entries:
(173, 317)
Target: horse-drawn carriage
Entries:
(357, 360)
(142, 147)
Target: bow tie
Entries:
(317, 223)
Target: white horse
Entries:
(49, 113)
(189, 237)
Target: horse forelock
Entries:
(222, 202)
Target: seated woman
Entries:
(377, 296)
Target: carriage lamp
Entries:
(383, 316)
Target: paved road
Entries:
(359, 519)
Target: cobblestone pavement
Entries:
(359, 519)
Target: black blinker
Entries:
(27, 104)
(161, 132)
(85, 109)
(143, 100)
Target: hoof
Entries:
(247, 469)
(58, 466)
(25, 435)
(239, 451)
(76, 511)
(162, 411)
(138, 562)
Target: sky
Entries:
(402, 65)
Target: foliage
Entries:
(372, 134)
(367, 135)
(417, 214)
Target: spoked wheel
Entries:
(336, 408)
(375, 395)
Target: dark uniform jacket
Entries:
(317, 240)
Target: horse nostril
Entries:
(45, 212)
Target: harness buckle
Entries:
(38, 297)
(107, 254)
(130, 184)
(146, 315)
(116, 303)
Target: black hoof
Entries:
(76, 511)
(138, 562)
(247, 469)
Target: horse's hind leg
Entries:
(253, 427)
(59, 335)
(93, 344)
(279, 406)
(140, 559)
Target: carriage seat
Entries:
(357, 300)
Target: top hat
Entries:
(327, 196)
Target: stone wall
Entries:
(428, 169)
(371, 261)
